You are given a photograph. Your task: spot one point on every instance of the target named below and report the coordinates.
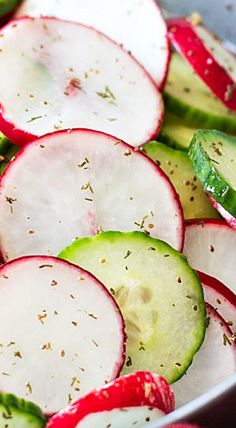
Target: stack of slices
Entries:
(117, 275)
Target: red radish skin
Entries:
(220, 297)
(172, 230)
(210, 247)
(66, 292)
(225, 214)
(133, 24)
(189, 44)
(24, 129)
(134, 390)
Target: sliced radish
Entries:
(210, 246)
(126, 402)
(90, 182)
(210, 60)
(61, 332)
(231, 220)
(220, 297)
(138, 26)
(215, 360)
(57, 74)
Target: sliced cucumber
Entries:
(8, 155)
(176, 133)
(159, 295)
(18, 413)
(213, 155)
(7, 6)
(5, 144)
(178, 167)
(188, 97)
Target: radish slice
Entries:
(138, 26)
(210, 60)
(215, 360)
(61, 332)
(231, 220)
(103, 184)
(126, 402)
(210, 246)
(68, 76)
(220, 297)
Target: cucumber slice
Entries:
(178, 167)
(175, 133)
(213, 155)
(159, 295)
(126, 402)
(188, 97)
(18, 413)
(13, 149)
(7, 6)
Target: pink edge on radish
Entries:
(220, 297)
(131, 391)
(225, 214)
(114, 93)
(194, 44)
(138, 26)
(70, 335)
(146, 196)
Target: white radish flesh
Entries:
(61, 332)
(215, 360)
(74, 184)
(57, 74)
(210, 247)
(137, 25)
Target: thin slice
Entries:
(5, 144)
(191, 100)
(178, 168)
(61, 332)
(212, 364)
(126, 402)
(18, 413)
(175, 132)
(70, 75)
(220, 297)
(213, 156)
(158, 293)
(91, 182)
(210, 246)
(138, 26)
(210, 60)
(231, 220)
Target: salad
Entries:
(117, 207)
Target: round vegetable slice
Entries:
(128, 401)
(138, 26)
(61, 332)
(78, 78)
(210, 60)
(18, 413)
(158, 293)
(178, 167)
(91, 182)
(210, 246)
(212, 364)
(191, 100)
(213, 155)
(220, 297)
(175, 133)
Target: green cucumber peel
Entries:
(7, 6)
(18, 413)
(214, 165)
